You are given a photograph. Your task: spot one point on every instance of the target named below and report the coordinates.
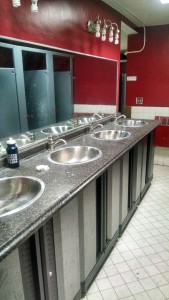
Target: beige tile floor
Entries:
(138, 266)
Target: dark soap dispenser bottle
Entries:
(12, 153)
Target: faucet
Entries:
(24, 136)
(98, 115)
(31, 135)
(119, 117)
(76, 122)
(51, 142)
(70, 122)
(93, 126)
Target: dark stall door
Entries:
(9, 114)
(63, 95)
(36, 98)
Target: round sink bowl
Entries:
(18, 192)
(22, 142)
(86, 120)
(56, 129)
(111, 135)
(131, 123)
(74, 155)
(83, 120)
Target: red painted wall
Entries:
(62, 24)
(59, 23)
(151, 67)
(95, 81)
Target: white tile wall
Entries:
(161, 156)
(145, 112)
(87, 108)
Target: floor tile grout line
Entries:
(161, 221)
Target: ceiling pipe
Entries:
(144, 39)
(144, 43)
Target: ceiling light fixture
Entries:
(34, 5)
(164, 1)
(100, 29)
(16, 3)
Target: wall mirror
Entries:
(40, 87)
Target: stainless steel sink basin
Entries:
(131, 123)
(74, 155)
(56, 129)
(18, 192)
(83, 120)
(86, 120)
(111, 135)
(23, 142)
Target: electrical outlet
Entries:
(139, 100)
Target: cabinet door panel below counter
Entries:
(113, 199)
(66, 243)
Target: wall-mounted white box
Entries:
(131, 78)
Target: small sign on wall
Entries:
(131, 78)
(139, 100)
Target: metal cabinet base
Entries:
(128, 218)
(19, 275)
(99, 223)
(66, 244)
(85, 285)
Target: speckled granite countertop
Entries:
(62, 183)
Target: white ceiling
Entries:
(148, 12)
(140, 12)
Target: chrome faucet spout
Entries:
(62, 141)
(94, 126)
(51, 142)
(97, 115)
(24, 136)
(119, 117)
(31, 135)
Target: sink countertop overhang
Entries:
(71, 180)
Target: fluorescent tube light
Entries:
(164, 1)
